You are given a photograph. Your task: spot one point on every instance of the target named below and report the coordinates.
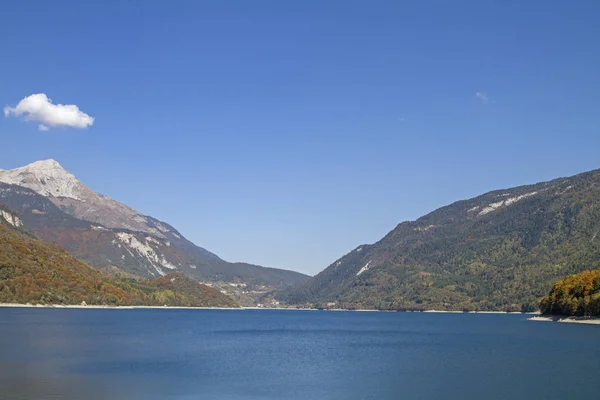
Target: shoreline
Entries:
(99, 307)
(104, 307)
(566, 320)
(478, 312)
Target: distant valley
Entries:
(501, 251)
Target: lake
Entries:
(272, 354)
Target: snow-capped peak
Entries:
(45, 177)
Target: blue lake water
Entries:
(235, 355)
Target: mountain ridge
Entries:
(36, 272)
(49, 179)
(499, 250)
(90, 226)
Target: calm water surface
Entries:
(235, 355)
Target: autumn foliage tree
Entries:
(575, 295)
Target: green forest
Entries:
(464, 258)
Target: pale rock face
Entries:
(11, 219)
(151, 239)
(512, 200)
(424, 228)
(565, 190)
(48, 178)
(491, 207)
(45, 177)
(132, 244)
(494, 206)
(364, 269)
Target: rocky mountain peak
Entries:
(108, 234)
(45, 164)
(46, 177)
(49, 179)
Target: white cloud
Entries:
(482, 97)
(38, 107)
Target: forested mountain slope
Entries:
(499, 251)
(32, 271)
(105, 233)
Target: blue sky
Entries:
(288, 133)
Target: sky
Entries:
(287, 133)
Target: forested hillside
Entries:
(575, 295)
(499, 251)
(32, 271)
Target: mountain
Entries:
(50, 180)
(499, 251)
(32, 271)
(105, 233)
(575, 295)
